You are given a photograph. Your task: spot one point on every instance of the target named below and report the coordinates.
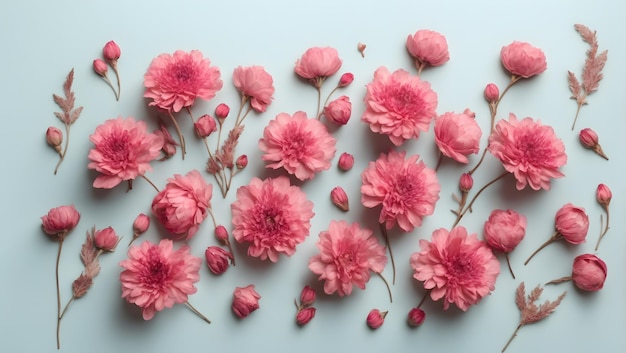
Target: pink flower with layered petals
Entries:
(399, 105)
(123, 151)
(522, 59)
(245, 301)
(256, 84)
(300, 145)
(271, 215)
(504, 230)
(318, 63)
(428, 47)
(458, 135)
(174, 81)
(156, 277)
(529, 150)
(347, 255)
(182, 205)
(589, 272)
(455, 266)
(406, 189)
(60, 220)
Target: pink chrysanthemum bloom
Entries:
(272, 216)
(174, 81)
(156, 277)
(406, 189)
(123, 151)
(399, 105)
(455, 266)
(256, 84)
(529, 150)
(347, 255)
(300, 145)
(318, 63)
(457, 135)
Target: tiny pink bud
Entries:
(346, 79)
(361, 47)
(339, 110)
(205, 126)
(111, 51)
(376, 318)
(307, 296)
(604, 195)
(305, 315)
(100, 67)
(217, 259)
(106, 239)
(242, 161)
(54, 137)
(492, 93)
(346, 161)
(339, 197)
(221, 233)
(416, 317)
(589, 139)
(245, 301)
(466, 182)
(221, 111)
(589, 272)
(141, 224)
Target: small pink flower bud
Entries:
(205, 126)
(604, 195)
(346, 161)
(169, 144)
(589, 272)
(361, 47)
(492, 93)
(111, 51)
(106, 239)
(221, 234)
(305, 315)
(376, 318)
(54, 137)
(466, 182)
(416, 317)
(221, 111)
(60, 221)
(245, 301)
(100, 67)
(339, 197)
(572, 223)
(589, 139)
(307, 296)
(141, 224)
(217, 259)
(242, 161)
(346, 79)
(339, 110)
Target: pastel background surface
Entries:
(43, 40)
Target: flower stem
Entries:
(553, 238)
(606, 227)
(67, 142)
(480, 161)
(318, 114)
(423, 299)
(598, 150)
(383, 229)
(469, 206)
(512, 337)
(117, 76)
(149, 182)
(580, 105)
(61, 238)
(66, 306)
(560, 280)
(321, 110)
(106, 79)
(420, 66)
(195, 311)
(181, 138)
(508, 262)
(439, 160)
(386, 284)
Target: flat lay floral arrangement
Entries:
(271, 216)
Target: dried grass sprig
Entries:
(68, 114)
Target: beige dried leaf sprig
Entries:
(529, 311)
(592, 71)
(224, 159)
(68, 114)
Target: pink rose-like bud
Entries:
(305, 315)
(100, 67)
(221, 233)
(604, 195)
(318, 63)
(217, 259)
(307, 296)
(589, 272)
(141, 224)
(588, 138)
(242, 161)
(221, 111)
(466, 182)
(416, 317)
(376, 318)
(60, 220)
(428, 47)
(339, 110)
(522, 59)
(572, 223)
(339, 197)
(457, 135)
(346, 79)
(504, 230)
(205, 126)
(54, 137)
(106, 239)
(492, 93)
(346, 161)
(245, 301)
(111, 51)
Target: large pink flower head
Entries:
(300, 145)
(182, 205)
(522, 59)
(455, 266)
(529, 150)
(572, 223)
(406, 189)
(156, 277)
(399, 105)
(174, 81)
(123, 150)
(256, 84)
(458, 135)
(428, 47)
(347, 255)
(318, 63)
(271, 215)
(60, 220)
(505, 229)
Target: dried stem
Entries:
(386, 284)
(321, 110)
(181, 138)
(508, 262)
(439, 160)
(469, 206)
(318, 114)
(605, 225)
(423, 299)
(195, 311)
(420, 66)
(106, 79)
(67, 142)
(512, 337)
(117, 76)
(560, 280)
(553, 238)
(66, 306)
(149, 182)
(61, 239)
(580, 105)
(383, 229)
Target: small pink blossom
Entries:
(241, 162)
(589, 139)
(245, 301)
(589, 272)
(504, 230)
(492, 93)
(346, 79)
(457, 135)
(416, 317)
(174, 81)
(347, 255)
(221, 233)
(455, 266)
(100, 67)
(141, 224)
(169, 144)
(156, 277)
(106, 239)
(346, 161)
(318, 63)
(305, 315)
(339, 110)
(522, 59)
(54, 137)
(221, 111)
(300, 145)
(183, 204)
(603, 195)
(405, 187)
(205, 126)
(376, 318)
(307, 296)
(123, 151)
(399, 105)
(529, 150)
(428, 47)
(271, 215)
(466, 182)
(60, 221)
(111, 51)
(339, 198)
(256, 84)
(217, 259)
(572, 223)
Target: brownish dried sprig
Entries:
(592, 71)
(68, 114)
(529, 311)
(224, 159)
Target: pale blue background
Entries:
(42, 40)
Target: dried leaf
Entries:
(592, 73)
(69, 114)
(520, 296)
(93, 269)
(574, 85)
(530, 312)
(88, 251)
(226, 155)
(589, 37)
(81, 285)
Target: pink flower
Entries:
(182, 205)
(406, 189)
(466, 182)
(141, 224)
(300, 145)
(572, 223)
(242, 161)
(492, 93)
(106, 239)
(156, 277)
(100, 67)
(123, 151)
(221, 111)
(60, 220)
(529, 150)
(111, 51)
(346, 79)
(522, 59)
(376, 318)
(255, 83)
(54, 137)
(305, 315)
(205, 126)
(347, 255)
(589, 272)
(457, 135)
(217, 259)
(174, 81)
(221, 233)
(589, 139)
(272, 216)
(455, 266)
(307, 296)
(399, 105)
(339, 198)
(603, 195)
(245, 301)
(504, 230)
(169, 144)
(428, 47)
(416, 317)
(346, 161)
(318, 63)
(339, 110)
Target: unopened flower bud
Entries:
(111, 52)
(346, 161)
(466, 182)
(305, 315)
(100, 67)
(361, 47)
(339, 110)
(604, 195)
(492, 93)
(54, 137)
(205, 126)
(416, 317)
(339, 197)
(589, 139)
(221, 111)
(217, 259)
(245, 301)
(221, 234)
(572, 223)
(589, 272)
(376, 318)
(141, 224)
(307, 296)
(346, 79)
(242, 161)
(106, 239)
